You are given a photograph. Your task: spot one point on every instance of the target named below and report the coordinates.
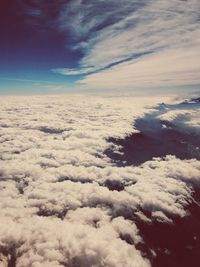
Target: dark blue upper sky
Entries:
(30, 48)
(68, 44)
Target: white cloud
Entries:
(168, 30)
(184, 119)
(173, 67)
(56, 205)
(156, 26)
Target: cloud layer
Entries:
(63, 202)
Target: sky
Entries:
(73, 45)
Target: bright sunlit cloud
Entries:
(173, 67)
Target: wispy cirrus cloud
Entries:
(108, 33)
(157, 26)
(174, 67)
(168, 30)
(66, 71)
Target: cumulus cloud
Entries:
(63, 202)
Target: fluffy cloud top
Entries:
(63, 202)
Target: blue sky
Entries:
(63, 45)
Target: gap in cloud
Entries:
(158, 137)
(174, 244)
